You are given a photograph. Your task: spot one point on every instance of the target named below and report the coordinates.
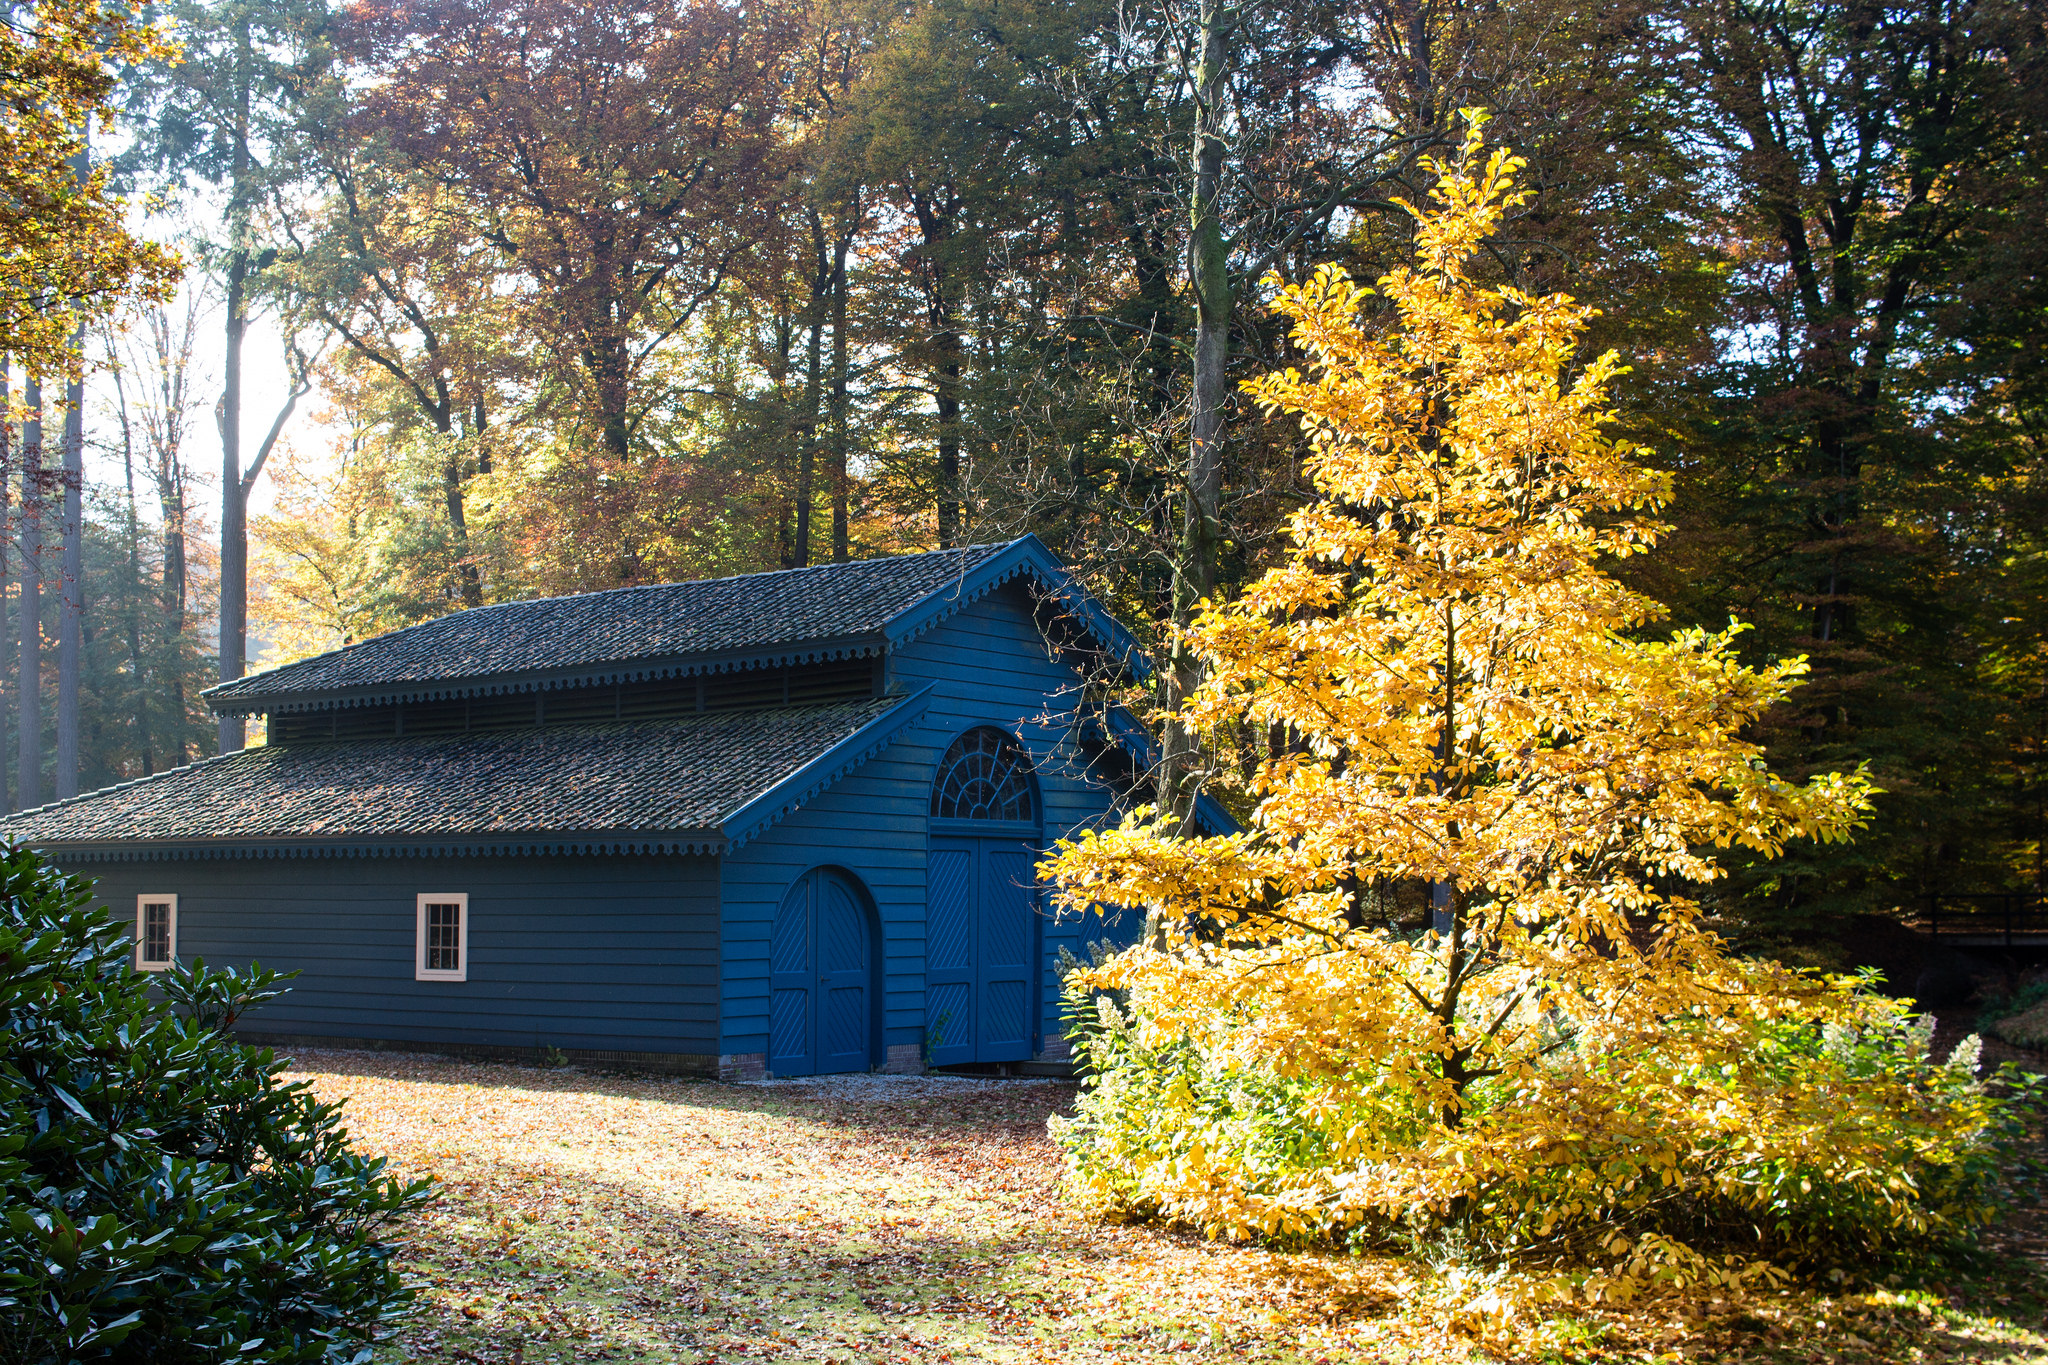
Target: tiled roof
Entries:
(713, 616)
(690, 776)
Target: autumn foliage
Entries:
(65, 253)
(1453, 694)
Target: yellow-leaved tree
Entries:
(65, 254)
(1451, 690)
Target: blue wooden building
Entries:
(785, 822)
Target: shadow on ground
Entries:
(595, 1216)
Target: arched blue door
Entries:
(981, 926)
(821, 965)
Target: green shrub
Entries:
(2003, 1006)
(1814, 1147)
(168, 1196)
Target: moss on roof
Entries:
(688, 775)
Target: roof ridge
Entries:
(683, 582)
(959, 552)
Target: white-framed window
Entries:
(442, 937)
(156, 933)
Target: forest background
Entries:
(584, 295)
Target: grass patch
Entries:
(597, 1217)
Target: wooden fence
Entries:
(1989, 917)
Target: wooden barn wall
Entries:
(989, 666)
(585, 954)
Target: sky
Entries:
(311, 432)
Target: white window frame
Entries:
(420, 970)
(141, 936)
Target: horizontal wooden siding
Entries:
(589, 954)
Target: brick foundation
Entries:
(742, 1066)
(905, 1059)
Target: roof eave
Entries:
(527, 843)
(1026, 555)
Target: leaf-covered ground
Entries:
(606, 1217)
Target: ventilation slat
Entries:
(653, 699)
(661, 699)
(437, 717)
(502, 712)
(365, 722)
(839, 680)
(582, 706)
(749, 691)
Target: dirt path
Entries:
(872, 1219)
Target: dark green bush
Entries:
(168, 1197)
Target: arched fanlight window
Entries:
(984, 776)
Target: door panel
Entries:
(790, 983)
(980, 953)
(949, 952)
(1009, 901)
(789, 1033)
(843, 976)
(949, 1022)
(820, 1015)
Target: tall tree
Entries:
(615, 157)
(70, 616)
(1875, 161)
(28, 778)
(66, 257)
(227, 112)
(65, 250)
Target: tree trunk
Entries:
(614, 392)
(785, 482)
(138, 662)
(71, 601)
(935, 223)
(173, 604)
(947, 374)
(234, 510)
(1209, 274)
(71, 611)
(807, 448)
(470, 580)
(837, 457)
(29, 755)
(1195, 566)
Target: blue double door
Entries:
(821, 971)
(981, 953)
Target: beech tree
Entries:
(1450, 687)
